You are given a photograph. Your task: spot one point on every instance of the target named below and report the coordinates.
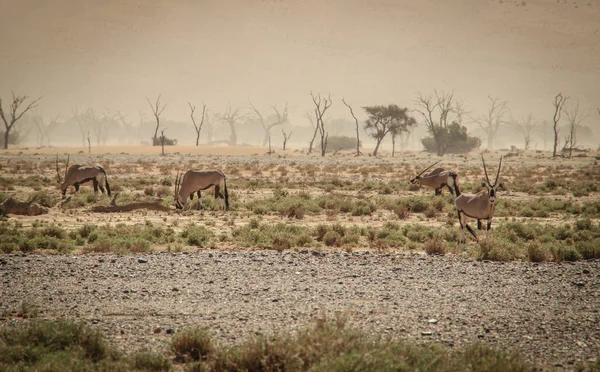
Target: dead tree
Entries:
(315, 126)
(494, 118)
(275, 120)
(357, 126)
(44, 128)
(286, 137)
(231, 117)
(525, 125)
(559, 103)
(157, 109)
(321, 106)
(575, 117)
(14, 115)
(198, 127)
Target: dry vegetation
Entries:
(548, 210)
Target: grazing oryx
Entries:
(196, 181)
(77, 174)
(437, 179)
(480, 206)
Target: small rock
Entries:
(157, 330)
(433, 321)
(142, 260)
(170, 331)
(175, 289)
(426, 333)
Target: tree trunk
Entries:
(310, 146)
(376, 147)
(555, 140)
(197, 138)
(6, 138)
(233, 136)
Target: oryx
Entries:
(194, 181)
(480, 206)
(77, 174)
(436, 179)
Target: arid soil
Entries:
(549, 312)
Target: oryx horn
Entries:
(426, 169)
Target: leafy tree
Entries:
(387, 119)
(439, 110)
(453, 139)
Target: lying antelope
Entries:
(480, 206)
(76, 175)
(437, 179)
(195, 181)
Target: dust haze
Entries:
(113, 54)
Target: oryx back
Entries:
(80, 174)
(196, 181)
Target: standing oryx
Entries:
(196, 181)
(480, 206)
(77, 174)
(437, 179)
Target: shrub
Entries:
(536, 252)
(192, 344)
(332, 238)
(198, 236)
(336, 143)
(435, 246)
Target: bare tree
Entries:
(44, 128)
(198, 127)
(357, 126)
(439, 110)
(525, 125)
(209, 126)
(157, 109)
(275, 120)
(559, 102)
(14, 115)
(231, 117)
(575, 116)
(494, 118)
(286, 137)
(321, 106)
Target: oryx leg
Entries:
(438, 191)
(76, 185)
(101, 187)
(199, 200)
(95, 183)
(478, 224)
(219, 194)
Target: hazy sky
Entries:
(113, 54)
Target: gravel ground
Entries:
(550, 312)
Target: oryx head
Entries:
(491, 188)
(415, 179)
(178, 202)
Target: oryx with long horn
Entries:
(436, 179)
(194, 181)
(480, 206)
(76, 175)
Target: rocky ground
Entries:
(549, 312)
